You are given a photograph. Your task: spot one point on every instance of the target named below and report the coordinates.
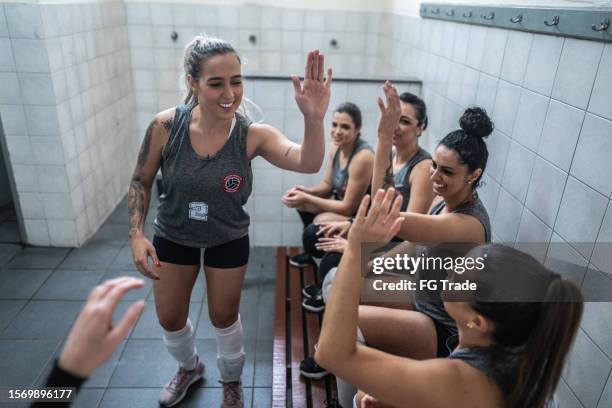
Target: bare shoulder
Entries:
(165, 118)
(364, 156)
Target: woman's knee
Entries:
(223, 318)
(173, 320)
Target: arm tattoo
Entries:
(167, 124)
(388, 180)
(136, 207)
(146, 144)
(288, 150)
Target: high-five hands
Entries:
(381, 223)
(313, 97)
(93, 337)
(389, 115)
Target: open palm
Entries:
(313, 97)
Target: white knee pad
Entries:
(327, 282)
(230, 351)
(181, 345)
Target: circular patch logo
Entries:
(232, 183)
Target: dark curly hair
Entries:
(469, 142)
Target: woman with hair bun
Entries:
(514, 331)
(204, 148)
(456, 215)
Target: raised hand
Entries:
(93, 337)
(381, 223)
(389, 115)
(313, 97)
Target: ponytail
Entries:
(553, 332)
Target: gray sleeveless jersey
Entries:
(202, 204)
(436, 310)
(402, 177)
(340, 176)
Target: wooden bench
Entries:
(295, 333)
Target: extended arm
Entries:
(382, 176)
(139, 193)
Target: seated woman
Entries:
(456, 215)
(346, 179)
(507, 354)
(406, 168)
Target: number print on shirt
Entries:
(198, 211)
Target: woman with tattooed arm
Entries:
(204, 149)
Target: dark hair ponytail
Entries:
(551, 338)
(539, 320)
(468, 141)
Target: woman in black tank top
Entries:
(205, 148)
(515, 329)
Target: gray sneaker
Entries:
(176, 389)
(232, 395)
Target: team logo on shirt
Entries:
(232, 183)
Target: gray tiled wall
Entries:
(547, 178)
(67, 111)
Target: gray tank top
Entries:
(340, 176)
(496, 362)
(402, 177)
(435, 310)
(202, 204)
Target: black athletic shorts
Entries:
(445, 338)
(229, 255)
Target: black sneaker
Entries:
(312, 291)
(314, 304)
(302, 259)
(310, 369)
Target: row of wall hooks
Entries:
(587, 23)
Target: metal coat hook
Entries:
(490, 16)
(516, 19)
(436, 11)
(450, 13)
(603, 26)
(555, 21)
(467, 15)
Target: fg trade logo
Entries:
(231, 183)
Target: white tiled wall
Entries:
(547, 177)
(68, 115)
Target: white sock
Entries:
(181, 345)
(230, 351)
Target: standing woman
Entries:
(205, 148)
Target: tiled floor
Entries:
(43, 289)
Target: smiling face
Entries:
(449, 176)
(220, 86)
(343, 130)
(408, 130)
